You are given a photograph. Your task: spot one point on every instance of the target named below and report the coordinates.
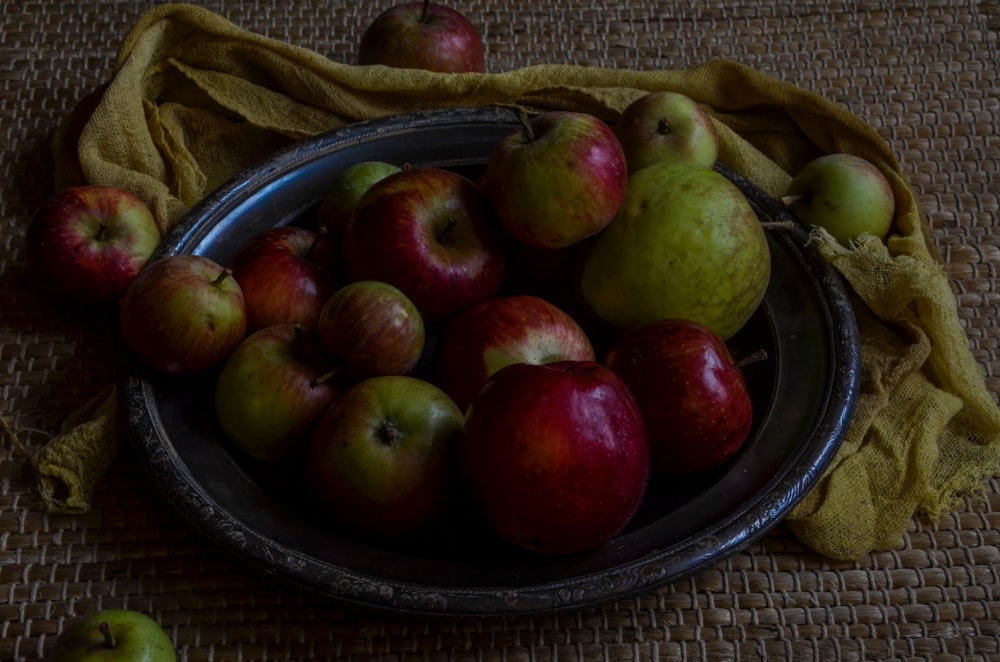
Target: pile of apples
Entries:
(540, 343)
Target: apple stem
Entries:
(321, 234)
(102, 230)
(445, 234)
(526, 129)
(756, 357)
(326, 376)
(226, 273)
(778, 225)
(109, 639)
(790, 200)
(423, 14)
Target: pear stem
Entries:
(756, 357)
(109, 639)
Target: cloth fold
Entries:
(195, 99)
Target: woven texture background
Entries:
(926, 78)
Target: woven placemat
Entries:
(925, 77)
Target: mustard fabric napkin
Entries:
(194, 99)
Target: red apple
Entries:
(693, 396)
(431, 233)
(555, 456)
(423, 35)
(667, 126)
(381, 461)
(183, 314)
(287, 274)
(272, 391)
(557, 180)
(372, 328)
(497, 332)
(86, 244)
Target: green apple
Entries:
(685, 244)
(381, 460)
(345, 190)
(844, 194)
(667, 126)
(114, 635)
(272, 390)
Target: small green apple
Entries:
(844, 194)
(345, 190)
(667, 126)
(114, 635)
(685, 244)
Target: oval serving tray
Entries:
(803, 394)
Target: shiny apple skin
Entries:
(492, 334)
(694, 398)
(86, 244)
(287, 273)
(443, 40)
(183, 314)
(558, 183)
(555, 456)
(431, 233)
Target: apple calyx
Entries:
(109, 639)
(663, 127)
(388, 433)
(755, 357)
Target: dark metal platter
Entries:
(803, 394)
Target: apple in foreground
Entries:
(558, 179)
(493, 334)
(381, 462)
(183, 314)
(844, 194)
(287, 274)
(345, 190)
(667, 126)
(691, 393)
(555, 456)
(86, 244)
(686, 244)
(423, 35)
(113, 635)
(372, 328)
(272, 390)
(447, 250)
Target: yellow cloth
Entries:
(194, 99)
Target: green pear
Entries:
(843, 193)
(684, 244)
